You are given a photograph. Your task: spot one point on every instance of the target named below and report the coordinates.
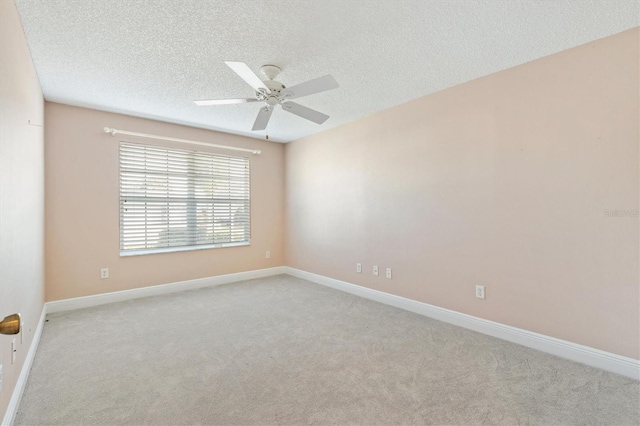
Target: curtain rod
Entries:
(114, 132)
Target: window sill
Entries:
(179, 249)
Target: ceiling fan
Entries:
(273, 93)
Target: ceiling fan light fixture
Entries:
(272, 100)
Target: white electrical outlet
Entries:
(375, 270)
(359, 268)
(267, 255)
(104, 273)
(480, 291)
(389, 273)
(14, 350)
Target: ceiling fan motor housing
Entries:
(273, 98)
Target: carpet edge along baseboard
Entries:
(607, 361)
(593, 357)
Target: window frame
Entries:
(190, 202)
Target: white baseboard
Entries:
(156, 290)
(624, 366)
(16, 396)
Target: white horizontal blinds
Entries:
(180, 198)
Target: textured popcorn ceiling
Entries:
(152, 58)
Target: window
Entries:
(173, 199)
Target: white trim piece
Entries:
(18, 390)
(114, 132)
(182, 248)
(618, 364)
(155, 290)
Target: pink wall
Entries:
(502, 181)
(21, 194)
(82, 207)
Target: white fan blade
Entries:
(304, 112)
(317, 85)
(262, 119)
(247, 75)
(224, 101)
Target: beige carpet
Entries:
(281, 350)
